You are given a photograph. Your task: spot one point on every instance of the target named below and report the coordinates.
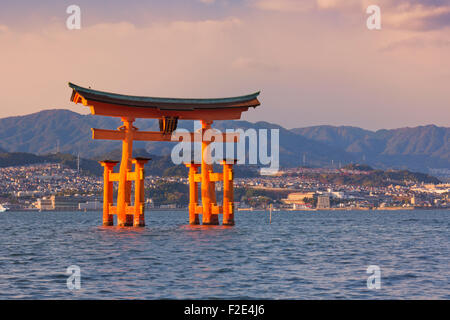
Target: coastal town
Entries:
(55, 187)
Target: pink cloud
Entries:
(283, 5)
(310, 70)
(418, 17)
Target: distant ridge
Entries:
(15, 159)
(418, 149)
(423, 140)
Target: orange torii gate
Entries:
(168, 111)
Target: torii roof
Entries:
(154, 107)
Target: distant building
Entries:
(335, 194)
(299, 206)
(64, 203)
(168, 206)
(57, 203)
(323, 202)
(90, 205)
(298, 198)
(338, 194)
(45, 204)
(20, 194)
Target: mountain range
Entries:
(424, 148)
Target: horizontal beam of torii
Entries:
(119, 135)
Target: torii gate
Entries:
(168, 111)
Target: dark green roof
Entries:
(139, 101)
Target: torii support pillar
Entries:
(139, 197)
(228, 193)
(108, 189)
(193, 194)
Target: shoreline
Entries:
(346, 209)
(243, 210)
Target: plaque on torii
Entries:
(168, 111)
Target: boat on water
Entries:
(3, 208)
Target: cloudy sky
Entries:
(315, 61)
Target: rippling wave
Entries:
(320, 255)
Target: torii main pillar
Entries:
(208, 187)
(124, 192)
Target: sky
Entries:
(314, 61)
